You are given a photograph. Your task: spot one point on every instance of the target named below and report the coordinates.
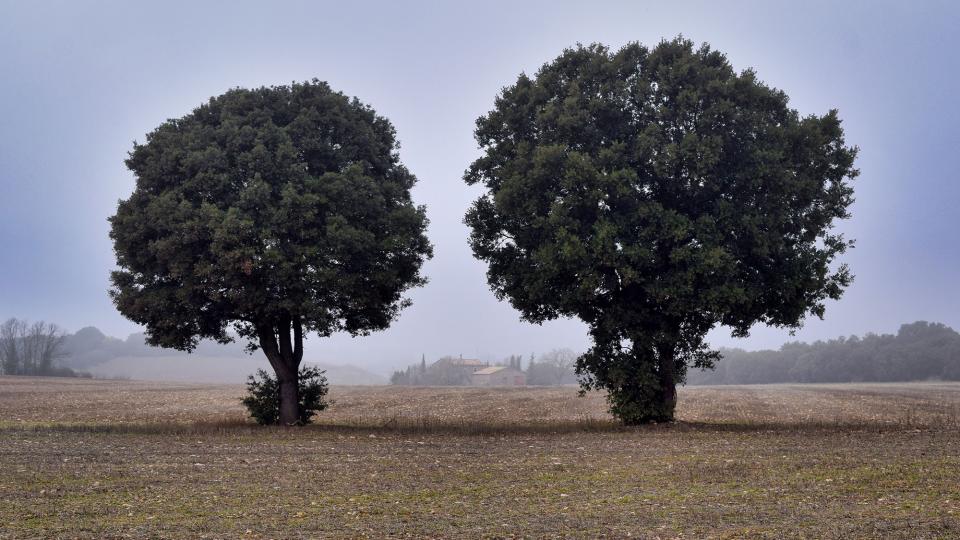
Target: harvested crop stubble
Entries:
(122, 459)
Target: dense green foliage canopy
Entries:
(656, 194)
(268, 211)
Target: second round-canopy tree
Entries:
(656, 194)
(274, 212)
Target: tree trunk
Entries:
(289, 399)
(666, 371)
(284, 357)
(647, 391)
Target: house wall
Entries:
(506, 377)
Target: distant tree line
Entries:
(88, 352)
(32, 349)
(440, 373)
(553, 368)
(919, 351)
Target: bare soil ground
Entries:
(123, 459)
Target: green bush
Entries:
(263, 400)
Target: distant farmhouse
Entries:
(498, 376)
(453, 371)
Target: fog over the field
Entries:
(82, 80)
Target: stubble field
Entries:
(122, 459)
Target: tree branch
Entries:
(268, 342)
(297, 341)
(283, 337)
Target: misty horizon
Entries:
(231, 363)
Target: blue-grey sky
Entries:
(79, 81)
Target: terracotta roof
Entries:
(490, 370)
(466, 362)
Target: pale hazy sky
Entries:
(79, 81)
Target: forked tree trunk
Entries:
(284, 356)
(666, 371)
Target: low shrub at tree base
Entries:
(263, 400)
